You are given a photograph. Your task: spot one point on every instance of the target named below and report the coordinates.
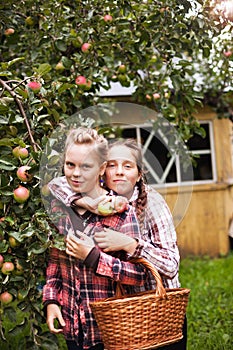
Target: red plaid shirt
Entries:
(73, 285)
(157, 242)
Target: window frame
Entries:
(176, 158)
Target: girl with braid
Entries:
(157, 241)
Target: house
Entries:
(200, 197)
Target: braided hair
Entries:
(141, 200)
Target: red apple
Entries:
(6, 298)
(108, 18)
(156, 95)
(21, 194)
(121, 204)
(1, 260)
(80, 80)
(23, 175)
(34, 86)
(227, 53)
(7, 267)
(9, 31)
(20, 152)
(85, 47)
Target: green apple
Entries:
(105, 208)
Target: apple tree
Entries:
(55, 57)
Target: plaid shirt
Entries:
(73, 285)
(157, 242)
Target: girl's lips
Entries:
(76, 183)
(118, 180)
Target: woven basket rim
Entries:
(142, 295)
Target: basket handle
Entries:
(160, 290)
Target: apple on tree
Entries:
(9, 31)
(59, 66)
(35, 86)
(1, 260)
(85, 48)
(13, 242)
(20, 152)
(21, 194)
(6, 298)
(83, 83)
(7, 267)
(23, 175)
(227, 53)
(81, 80)
(107, 18)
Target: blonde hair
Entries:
(88, 136)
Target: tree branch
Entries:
(22, 111)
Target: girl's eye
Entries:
(110, 165)
(128, 166)
(70, 165)
(85, 166)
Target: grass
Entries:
(210, 309)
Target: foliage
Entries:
(148, 45)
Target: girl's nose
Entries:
(76, 171)
(119, 169)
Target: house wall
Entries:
(202, 213)
(205, 225)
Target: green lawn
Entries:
(210, 309)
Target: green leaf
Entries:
(6, 142)
(64, 87)
(43, 69)
(36, 248)
(5, 165)
(60, 45)
(10, 313)
(3, 246)
(19, 328)
(16, 60)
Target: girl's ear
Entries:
(139, 176)
(103, 168)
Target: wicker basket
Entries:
(143, 320)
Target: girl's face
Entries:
(82, 169)
(122, 171)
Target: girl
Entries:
(83, 272)
(157, 241)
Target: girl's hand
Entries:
(79, 247)
(109, 240)
(54, 313)
(92, 204)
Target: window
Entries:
(164, 165)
